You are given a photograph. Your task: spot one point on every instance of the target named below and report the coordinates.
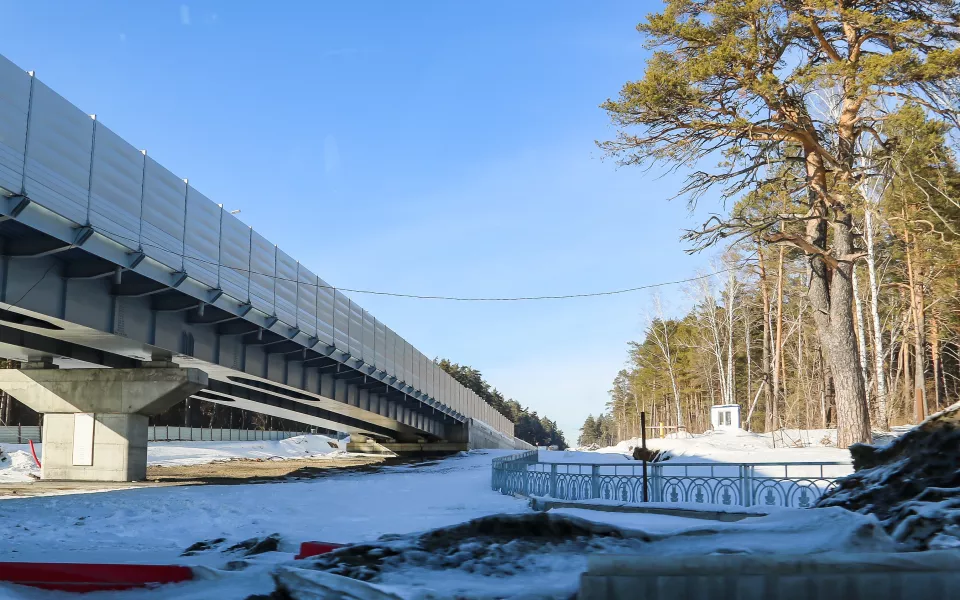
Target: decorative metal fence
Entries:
(795, 485)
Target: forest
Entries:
(834, 297)
(528, 426)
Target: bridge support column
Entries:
(95, 420)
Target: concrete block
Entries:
(119, 448)
(786, 577)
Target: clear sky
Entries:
(421, 147)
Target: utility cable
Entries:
(275, 277)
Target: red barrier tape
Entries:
(308, 549)
(75, 577)
(34, 452)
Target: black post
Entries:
(643, 444)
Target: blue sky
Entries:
(421, 147)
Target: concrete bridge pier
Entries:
(95, 420)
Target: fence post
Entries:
(745, 485)
(553, 480)
(19, 434)
(595, 481)
(657, 484)
(643, 442)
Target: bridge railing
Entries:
(793, 485)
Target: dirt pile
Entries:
(491, 546)
(911, 484)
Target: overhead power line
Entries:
(418, 296)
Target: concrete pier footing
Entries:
(95, 420)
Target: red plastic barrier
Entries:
(77, 577)
(34, 452)
(308, 549)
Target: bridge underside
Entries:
(60, 301)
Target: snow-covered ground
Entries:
(739, 447)
(155, 525)
(20, 465)
(195, 453)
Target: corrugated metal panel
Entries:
(58, 155)
(201, 240)
(355, 330)
(341, 322)
(116, 188)
(390, 352)
(286, 288)
(234, 257)
(426, 377)
(380, 346)
(307, 301)
(369, 336)
(324, 312)
(407, 363)
(14, 107)
(431, 379)
(417, 382)
(164, 199)
(263, 267)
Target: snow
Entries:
(196, 453)
(20, 465)
(737, 447)
(156, 524)
(583, 458)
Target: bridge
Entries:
(124, 290)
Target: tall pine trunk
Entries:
(879, 372)
(830, 289)
(778, 345)
(770, 408)
(831, 298)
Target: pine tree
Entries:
(784, 92)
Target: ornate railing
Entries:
(796, 485)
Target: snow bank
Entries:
(20, 465)
(734, 447)
(196, 453)
(572, 456)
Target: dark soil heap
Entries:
(911, 484)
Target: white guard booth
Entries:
(725, 417)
